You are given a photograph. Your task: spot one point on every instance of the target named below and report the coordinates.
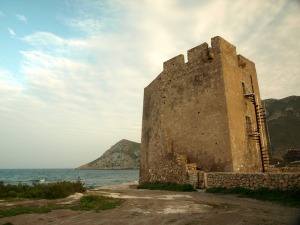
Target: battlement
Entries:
(220, 45)
(202, 54)
(174, 63)
(199, 54)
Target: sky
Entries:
(72, 72)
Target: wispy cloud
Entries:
(105, 73)
(48, 42)
(21, 17)
(9, 89)
(68, 79)
(94, 17)
(2, 14)
(101, 70)
(261, 32)
(89, 26)
(11, 32)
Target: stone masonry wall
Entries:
(283, 181)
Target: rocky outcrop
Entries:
(123, 155)
(283, 123)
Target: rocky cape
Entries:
(123, 155)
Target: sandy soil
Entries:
(164, 207)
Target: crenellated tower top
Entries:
(202, 54)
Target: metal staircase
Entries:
(257, 133)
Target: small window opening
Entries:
(244, 88)
(248, 124)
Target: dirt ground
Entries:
(165, 207)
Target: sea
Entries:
(90, 178)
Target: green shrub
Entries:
(46, 191)
(19, 210)
(98, 202)
(157, 185)
(88, 202)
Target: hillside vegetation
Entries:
(283, 120)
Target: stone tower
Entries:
(204, 114)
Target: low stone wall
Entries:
(283, 181)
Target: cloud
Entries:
(273, 50)
(94, 17)
(71, 76)
(55, 45)
(2, 14)
(260, 31)
(105, 72)
(10, 90)
(8, 86)
(11, 32)
(21, 17)
(89, 26)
